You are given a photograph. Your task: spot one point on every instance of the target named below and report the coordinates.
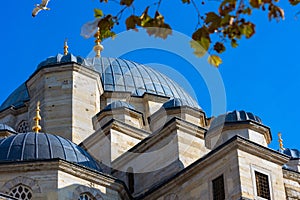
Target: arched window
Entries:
(130, 177)
(86, 196)
(21, 192)
(23, 127)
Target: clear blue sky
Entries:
(260, 76)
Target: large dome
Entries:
(127, 76)
(43, 146)
(117, 75)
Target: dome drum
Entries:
(240, 123)
(177, 108)
(121, 111)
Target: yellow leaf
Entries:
(214, 60)
(98, 13)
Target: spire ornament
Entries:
(98, 47)
(36, 128)
(280, 141)
(66, 47)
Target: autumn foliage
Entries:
(230, 22)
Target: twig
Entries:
(198, 13)
(158, 4)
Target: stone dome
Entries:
(118, 104)
(176, 102)
(293, 153)
(42, 146)
(4, 127)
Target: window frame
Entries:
(24, 187)
(265, 172)
(224, 185)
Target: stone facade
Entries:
(152, 146)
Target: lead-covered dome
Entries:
(43, 146)
(293, 153)
(121, 75)
(118, 104)
(235, 117)
(4, 127)
(172, 103)
(17, 98)
(117, 75)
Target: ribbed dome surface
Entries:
(293, 153)
(241, 115)
(118, 104)
(41, 146)
(235, 116)
(117, 75)
(127, 76)
(174, 103)
(59, 58)
(16, 99)
(4, 127)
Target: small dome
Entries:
(293, 153)
(176, 102)
(4, 127)
(59, 58)
(118, 104)
(41, 146)
(17, 98)
(241, 115)
(235, 116)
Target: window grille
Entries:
(86, 196)
(218, 188)
(21, 192)
(262, 185)
(23, 127)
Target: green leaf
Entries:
(98, 13)
(145, 18)
(214, 60)
(186, 1)
(198, 49)
(248, 29)
(126, 2)
(219, 47)
(201, 36)
(234, 43)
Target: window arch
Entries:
(86, 196)
(83, 192)
(23, 127)
(21, 192)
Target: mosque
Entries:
(112, 129)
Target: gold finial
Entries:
(36, 128)
(280, 141)
(66, 47)
(98, 47)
